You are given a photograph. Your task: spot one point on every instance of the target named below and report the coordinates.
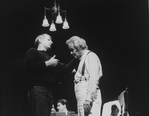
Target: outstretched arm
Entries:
(68, 68)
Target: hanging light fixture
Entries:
(65, 24)
(58, 18)
(45, 22)
(52, 26)
(56, 13)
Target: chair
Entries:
(117, 107)
(123, 100)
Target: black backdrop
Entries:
(116, 30)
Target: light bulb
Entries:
(52, 27)
(65, 24)
(59, 19)
(45, 22)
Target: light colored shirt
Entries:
(92, 72)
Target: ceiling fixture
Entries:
(56, 13)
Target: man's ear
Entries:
(40, 40)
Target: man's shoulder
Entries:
(92, 55)
(32, 49)
(72, 113)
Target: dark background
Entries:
(116, 30)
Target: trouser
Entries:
(107, 108)
(81, 92)
(40, 100)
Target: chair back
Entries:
(123, 99)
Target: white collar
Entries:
(84, 54)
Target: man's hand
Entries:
(87, 107)
(51, 62)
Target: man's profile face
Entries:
(76, 53)
(47, 42)
(60, 107)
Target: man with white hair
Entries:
(86, 78)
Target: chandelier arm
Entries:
(44, 11)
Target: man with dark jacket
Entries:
(41, 70)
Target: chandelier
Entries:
(56, 13)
